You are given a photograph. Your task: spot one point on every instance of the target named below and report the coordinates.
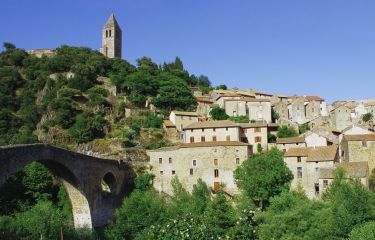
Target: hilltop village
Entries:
(228, 126)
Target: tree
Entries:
(302, 128)
(285, 132)
(219, 216)
(38, 181)
(201, 197)
(8, 46)
(138, 211)
(218, 114)
(368, 117)
(264, 176)
(274, 115)
(239, 119)
(221, 87)
(364, 231)
(259, 148)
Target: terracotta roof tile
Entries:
(291, 140)
(252, 125)
(213, 144)
(314, 98)
(248, 100)
(168, 123)
(364, 137)
(322, 154)
(195, 114)
(211, 124)
(296, 152)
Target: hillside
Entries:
(78, 99)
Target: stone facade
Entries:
(313, 110)
(297, 110)
(214, 163)
(359, 148)
(183, 119)
(111, 39)
(305, 164)
(341, 118)
(254, 134)
(315, 140)
(254, 109)
(284, 144)
(212, 131)
(281, 108)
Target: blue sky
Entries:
(320, 47)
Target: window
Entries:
(110, 33)
(325, 183)
(258, 129)
(216, 173)
(191, 171)
(299, 172)
(226, 129)
(194, 163)
(202, 129)
(170, 160)
(181, 117)
(203, 139)
(173, 172)
(160, 160)
(191, 139)
(216, 162)
(161, 172)
(227, 138)
(237, 161)
(191, 130)
(364, 143)
(106, 33)
(214, 138)
(214, 129)
(258, 139)
(299, 159)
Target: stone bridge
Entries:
(81, 175)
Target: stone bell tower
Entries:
(111, 39)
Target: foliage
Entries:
(285, 132)
(303, 128)
(263, 176)
(368, 117)
(143, 182)
(274, 115)
(259, 148)
(221, 87)
(218, 114)
(372, 180)
(239, 119)
(364, 231)
(271, 138)
(87, 127)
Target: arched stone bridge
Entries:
(81, 175)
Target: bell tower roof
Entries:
(112, 22)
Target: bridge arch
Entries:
(109, 183)
(81, 176)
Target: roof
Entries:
(352, 170)
(213, 144)
(316, 154)
(168, 123)
(112, 22)
(211, 124)
(364, 137)
(249, 100)
(296, 152)
(291, 140)
(253, 125)
(195, 114)
(314, 98)
(328, 153)
(204, 99)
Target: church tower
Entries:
(111, 39)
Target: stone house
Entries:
(254, 109)
(359, 148)
(205, 104)
(305, 164)
(313, 139)
(353, 170)
(341, 117)
(313, 110)
(284, 144)
(297, 111)
(254, 134)
(220, 100)
(212, 131)
(213, 162)
(181, 119)
(281, 108)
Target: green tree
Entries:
(222, 87)
(368, 117)
(239, 119)
(303, 128)
(372, 181)
(38, 181)
(264, 176)
(219, 216)
(364, 231)
(218, 114)
(285, 132)
(274, 115)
